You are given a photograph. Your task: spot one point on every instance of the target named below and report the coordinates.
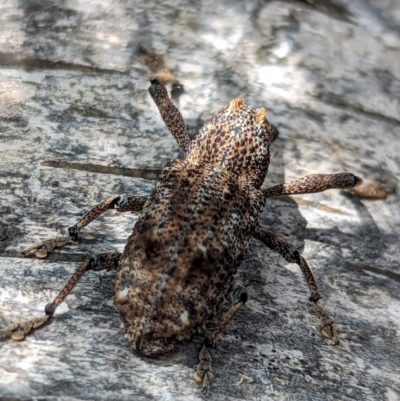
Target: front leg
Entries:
(121, 203)
(292, 255)
(170, 114)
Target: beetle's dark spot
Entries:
(198, 262)
(185, 183)
(151, 249)
(190, 308)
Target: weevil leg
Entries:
(292, 255)
(170, 114)
(313, 183)
(121, 203)
(104, 261)
(204, 371)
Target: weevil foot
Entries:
(204, 372)
(18, 331)
(42, 248)
(328, 327)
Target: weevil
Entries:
(179, 263)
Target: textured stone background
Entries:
(72, 90)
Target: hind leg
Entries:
(204, 371)
(292, 255)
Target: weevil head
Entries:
(238, 139)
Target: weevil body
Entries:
(181, 258)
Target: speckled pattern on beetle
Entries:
(180, 261)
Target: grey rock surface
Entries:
(75, 115)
